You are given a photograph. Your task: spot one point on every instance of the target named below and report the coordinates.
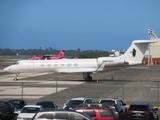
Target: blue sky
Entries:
(72, 24)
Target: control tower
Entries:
(152, 35)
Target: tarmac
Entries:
(137, 83)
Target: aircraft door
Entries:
(31, 66)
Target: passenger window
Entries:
(69, 65)
(76, 116)
(91, 113)
(61, 116)
(75, 64)
(42, 65)
(119, 102)
(106, 113)
(49, 65)
(89, 101)
(46, 116)
(55, 65)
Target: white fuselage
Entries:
(65, 65)
(85, 66)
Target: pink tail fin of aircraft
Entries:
(60, 55)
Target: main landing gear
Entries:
(87, 76)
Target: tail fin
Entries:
(136, 51)
(60, 55)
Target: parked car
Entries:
(114, 101)
(72, 103)
(117, 109)
(60, 115)
(47, 105)
(99, 113)
(6, 111)
(142, 111)
(18, 104)
(29, 111)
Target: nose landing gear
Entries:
(15, 78)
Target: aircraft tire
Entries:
(89, 78)
(15, 79)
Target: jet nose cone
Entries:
(7, 69)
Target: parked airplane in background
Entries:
(133, 56)
(60, 55)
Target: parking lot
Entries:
(139, 83)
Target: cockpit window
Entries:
(16, 63)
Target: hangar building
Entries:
(152, 55)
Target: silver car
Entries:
(60, 115)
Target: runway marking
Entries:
(28, 92)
